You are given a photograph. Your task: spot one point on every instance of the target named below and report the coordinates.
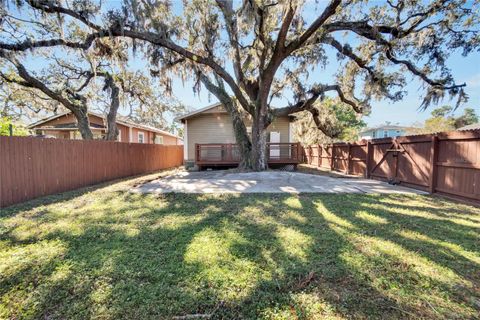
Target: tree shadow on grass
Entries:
(243, 256)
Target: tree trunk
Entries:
(243, 141)
(259, 146)
(83, 123)
(112, 130)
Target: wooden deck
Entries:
(227, 154)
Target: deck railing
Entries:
(228, 153)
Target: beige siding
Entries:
(218, 128)
(280, 125)
(209, 128)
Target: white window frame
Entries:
(385, 133)
(185, 140)
(143, 137)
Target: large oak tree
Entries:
(249, 53)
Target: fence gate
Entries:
(406, 161)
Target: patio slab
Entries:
(266, 182)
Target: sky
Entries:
(405, 112)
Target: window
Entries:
(385, 133)
(374, 134)
(141, 137)
(158, 139)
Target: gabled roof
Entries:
(201, 110)
(39, 122)
(474, 126)
(195, 112)
(123, 122)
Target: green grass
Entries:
(107, 254)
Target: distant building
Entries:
(474, 126)
(385, 131)
(64, 126)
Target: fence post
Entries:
(332, 164)
(368, 161)
(347, 169)
(433, 164)
(319, 152)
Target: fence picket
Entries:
(446, 162)
(34, 167)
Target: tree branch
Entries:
(231, 24)
(348, 52)
(318, 91)
(373, 33)
(33, 82)
(441, 84)
(327, 13)
(50, 7)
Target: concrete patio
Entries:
(265, 182)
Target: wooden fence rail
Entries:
(446, 163)
(34, 167)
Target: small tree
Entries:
(261, 50)
(340, 122)
(468, 117)
(17, 129)
(443, 119)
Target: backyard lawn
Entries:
(108, 254)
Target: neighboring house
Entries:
(209, 138)
(64, 126)
(474, 126)
(385, 131)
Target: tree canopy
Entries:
(341, 121)
(250, 53)
(56, 79)
(444, 119)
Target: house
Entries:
(474, 126)
(385, 131)
(209, 139)
(64, 126)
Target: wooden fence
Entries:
(446, 163)
(34, 167)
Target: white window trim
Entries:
(290, 132)
(185, 141)
(140, 133)
(119, 135)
